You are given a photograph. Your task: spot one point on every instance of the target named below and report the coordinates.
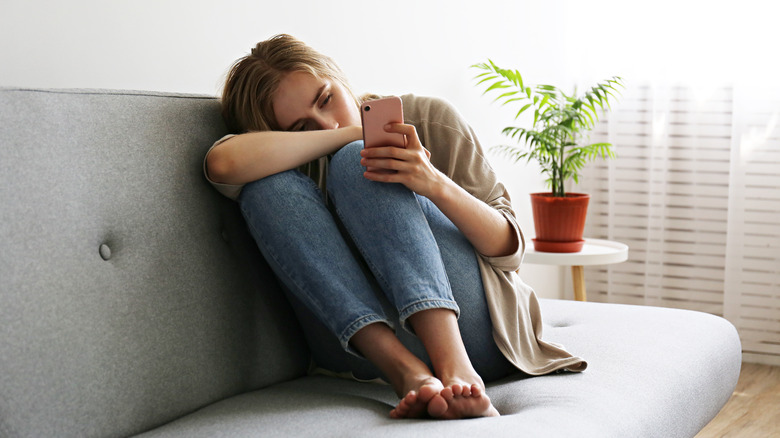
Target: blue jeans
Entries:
(384, 255)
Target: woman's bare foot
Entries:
(461, 401)
(415, 403)
(463, 395)
(458, 392)
(410, 377)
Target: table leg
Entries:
(578, 279)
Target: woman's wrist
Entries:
(353, 133)
(443, 190)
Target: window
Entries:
(695, 193)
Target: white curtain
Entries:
(695, 193)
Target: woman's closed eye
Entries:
(306, 125)
(327, 99)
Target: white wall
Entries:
(419, 46)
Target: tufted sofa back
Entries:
(130, 291)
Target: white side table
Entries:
(594, 252)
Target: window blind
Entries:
(695, 193)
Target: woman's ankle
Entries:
(380, 345)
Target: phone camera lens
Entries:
(368, 108)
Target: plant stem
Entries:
(559, 180)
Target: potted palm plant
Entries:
(555, 140)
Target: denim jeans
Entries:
(384, 255)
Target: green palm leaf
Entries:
(560, 122)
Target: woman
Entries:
(413, 269)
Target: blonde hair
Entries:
(247, 97)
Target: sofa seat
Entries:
(653, 372)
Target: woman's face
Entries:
(307, 103)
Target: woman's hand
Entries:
(486, 229)
(410, 166)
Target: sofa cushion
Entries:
(653, 372)
(130, 291)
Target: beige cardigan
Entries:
(514, 309)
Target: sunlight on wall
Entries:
(674, 41)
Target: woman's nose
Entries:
(324, 121)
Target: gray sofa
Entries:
(133, 301)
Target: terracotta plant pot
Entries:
(559, 221)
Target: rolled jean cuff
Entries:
(353, 328)
(426, 304)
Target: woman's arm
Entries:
(487, 229)
(255, 155)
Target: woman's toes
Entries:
(438, 406)
(427, 392)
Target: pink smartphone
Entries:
(378, 113)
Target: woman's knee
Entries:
(345, 164)
(290, 181)
(278, 192)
